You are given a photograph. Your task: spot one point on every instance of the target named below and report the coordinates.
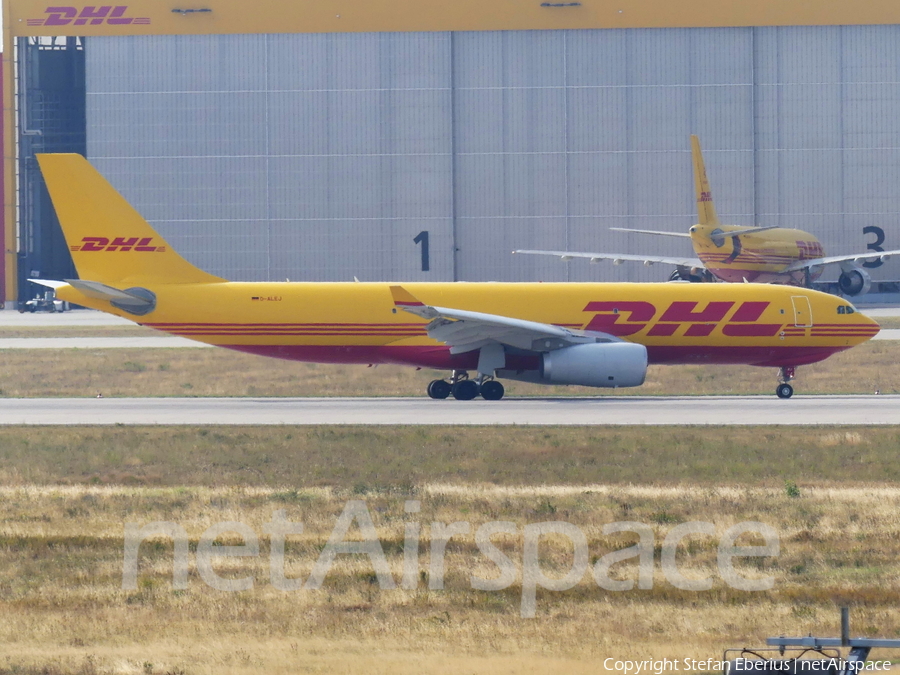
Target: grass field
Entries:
(65, 495)
(221, 372)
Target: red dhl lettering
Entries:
(631, 317)
(686, 311)
(117, 244)
(609, 323)
(706, 196)
(810, 249)
(89, 15)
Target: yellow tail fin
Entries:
(110, 241)
(706, 210)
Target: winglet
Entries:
(410, 303)
(706, 210)
(403, 298)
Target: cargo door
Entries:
(802, 311)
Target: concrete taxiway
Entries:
(595, 411)
(71, 319)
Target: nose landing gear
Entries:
(785, 375)
(464, 389)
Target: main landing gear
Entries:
(464, 389)
(785, 375)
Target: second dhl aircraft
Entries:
(737, 254)
(593, 334)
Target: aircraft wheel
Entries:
(784, 391)
(492, 390)
(465, 390)
(439, 389)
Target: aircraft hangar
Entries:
(389, 140)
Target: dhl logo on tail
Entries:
(117, 244)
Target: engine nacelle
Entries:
(855, 281)
(601, 364)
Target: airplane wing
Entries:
(619, 257)
(832, 259)
(464, 331)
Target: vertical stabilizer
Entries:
(110, 242)
(706, 210)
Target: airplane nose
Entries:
(870, 323)
(876, 325)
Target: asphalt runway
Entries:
(594, 411)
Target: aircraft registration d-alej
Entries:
(594, 334)
(734, 253)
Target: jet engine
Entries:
(854, 281)
(602, 364)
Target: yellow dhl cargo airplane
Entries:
(736, 254)
(594, 334)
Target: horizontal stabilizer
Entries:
(49, 283)
(98, 291)
(665, 234)
(137, 301)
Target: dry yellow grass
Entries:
(63, 607)
(63, 509)
(220, 372)
(391, 459)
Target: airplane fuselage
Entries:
(761, 257)
(751, 324)
(599, 335)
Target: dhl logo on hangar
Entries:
(91, 14)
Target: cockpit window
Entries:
(846, 309)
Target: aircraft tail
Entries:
(706, 210)
(111, 243)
